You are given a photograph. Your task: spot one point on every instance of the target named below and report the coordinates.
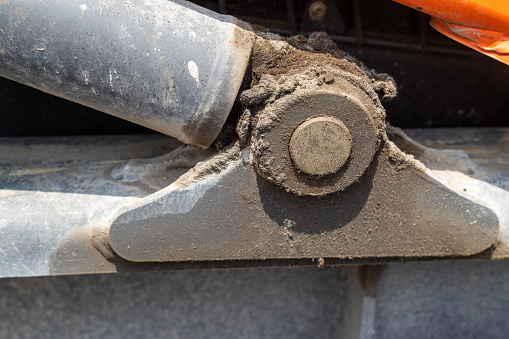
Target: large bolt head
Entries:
(320, 146)
(318, 141)
(317, 10)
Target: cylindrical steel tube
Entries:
(167, 65)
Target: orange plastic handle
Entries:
(480, 24)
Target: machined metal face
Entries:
(320, 146)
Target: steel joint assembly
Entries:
(310, 124)
(320, 146)
(318, 141)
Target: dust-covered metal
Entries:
(168, 65)
(296, 80)
(486, 180)
(55, 191)
(259, 198)
(59, 194)
(320, 146)
(278, 122)
(395, 210)
(381, 203)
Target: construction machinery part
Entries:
(395, 210)
(60, 194)
(380, 202)
(168, 65)
(310, 176)
(280, 160)
(478, 24)
(320, 146)
(322, 15)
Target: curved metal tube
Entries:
(167, 65)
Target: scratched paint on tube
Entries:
(193, 70)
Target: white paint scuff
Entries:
(193, 70)
(83, 8)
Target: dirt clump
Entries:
(288, 73)
(278, 57)
(281, 66)
(214, 165)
